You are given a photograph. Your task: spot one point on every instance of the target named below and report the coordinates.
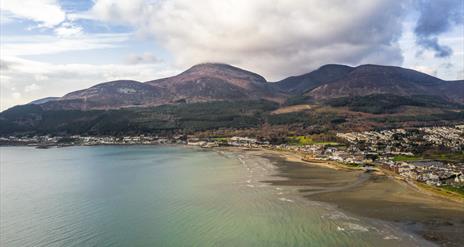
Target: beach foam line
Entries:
(391, 237)
(356, 227)
(285, 199)
(336, 215)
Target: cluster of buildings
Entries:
(34, 140)
(430, 172)
(407, 141)
(445, 136)
(381, 147)
(235, 141)
(47, 141)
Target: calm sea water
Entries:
(164, 196)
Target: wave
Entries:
(285, 199)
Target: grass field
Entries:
(456, 189)
(308, 140)
(446, 157)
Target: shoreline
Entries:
(421, 187)
(294, 156)
(378, 196)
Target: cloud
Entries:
(69, 41)
(46, 12)
(68, 29)
(460, 75)
(276, 38)
(146, 57)
(5, 17)
(16, 95)
(425, 69)
(437, 17)
(31, 88)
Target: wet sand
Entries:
(374, 196)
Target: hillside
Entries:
(108, 95)
(376, 79)
(220, 97)
(297, 85)
(201, 83)
(213, 81)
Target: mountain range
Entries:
(221, 82)
(373, 89)
(200, 83)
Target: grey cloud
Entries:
(147, 57)
(437, 17)
(277, 40)
(6, 65)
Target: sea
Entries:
(166, 196)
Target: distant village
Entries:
(394, 150)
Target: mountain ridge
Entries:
(220, 97)
(378, 79)
(222, 82)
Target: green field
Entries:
(446, 157)
(457, 189)
(308, 140)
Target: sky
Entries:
(53, 47)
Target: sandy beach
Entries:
(372, 195)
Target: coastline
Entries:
(376, 195)
(422, 188)
(293, 156)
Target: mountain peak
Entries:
(334, 66)
(212, 66)
(219, 70)
(215, 81)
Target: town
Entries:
(404, 152)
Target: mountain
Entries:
(108, 95)
(376, 79)
(214, 81)
(221, 82)
(201, 83)
(217, 97)
(306, 82)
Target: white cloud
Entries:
(425, 69)
(40, 77)
(46, 12)
(276, 38)
(16, 95)
(460, 74)
(31, 88)
(43, 44)
(68, 29)
(5, 17)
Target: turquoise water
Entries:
(164, 196)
